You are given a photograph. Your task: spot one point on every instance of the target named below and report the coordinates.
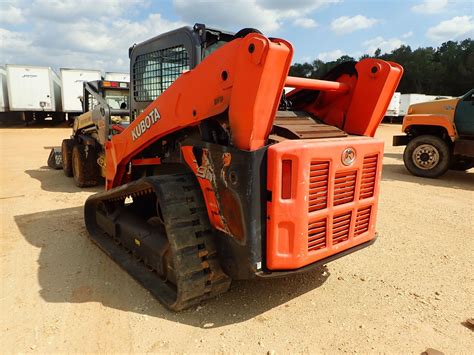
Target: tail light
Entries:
(286, 171)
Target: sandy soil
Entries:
(411, 290)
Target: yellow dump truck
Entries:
(439, 135)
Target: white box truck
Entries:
(35, 91)
(114, 76)
(72, 88)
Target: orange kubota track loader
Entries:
(222, 176)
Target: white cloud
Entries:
(12, 43)
(407, 34)
(453, 29)
(265, 15)
(98, 33)
(430, 6)
(81, 44)
(229, 14)
(305, 22)
(297, 5)
(331, 55)
(72, 10)
(385, 45)
(294, 8)
(346, 24)
(12, 15)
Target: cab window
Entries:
(154, 72)
(117, 99)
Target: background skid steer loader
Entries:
(105, 107)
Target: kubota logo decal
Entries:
(145, 124)
(348, 156)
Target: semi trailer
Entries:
(72, 88)
(35, 91)
(115, 76)
(3, 90)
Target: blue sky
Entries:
(98, 33)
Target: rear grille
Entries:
(340, 227)
(362, 220)
(318, 186)
(346, 224)
(369, 172)
(344, 187)
(317, 234)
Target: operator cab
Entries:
(156, 63)
(114, 93)
(108, 104)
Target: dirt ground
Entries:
(412, 290)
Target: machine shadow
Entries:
(55, 181)
(462, 180)
(72, 269)
(398, 156)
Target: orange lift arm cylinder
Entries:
(315, 84)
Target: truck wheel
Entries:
(66, 155)
(427, 156)
(84, 165)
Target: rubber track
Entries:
(197, 270)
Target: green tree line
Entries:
(446, 70)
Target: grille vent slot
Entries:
(317, 232)
(369, 172)
(344, 187)
(318, 185)
(362, 220)
(340, 227)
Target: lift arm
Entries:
(245, 77)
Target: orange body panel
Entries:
(257, 90)
(372, 95)
(430, 120)
(332, 206)
(251, 89)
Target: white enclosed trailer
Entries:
(34, 90)
(393, 109)
(114, 76)
(409, 99)
(3, 90)
(72, 87)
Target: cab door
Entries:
(464, 115)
